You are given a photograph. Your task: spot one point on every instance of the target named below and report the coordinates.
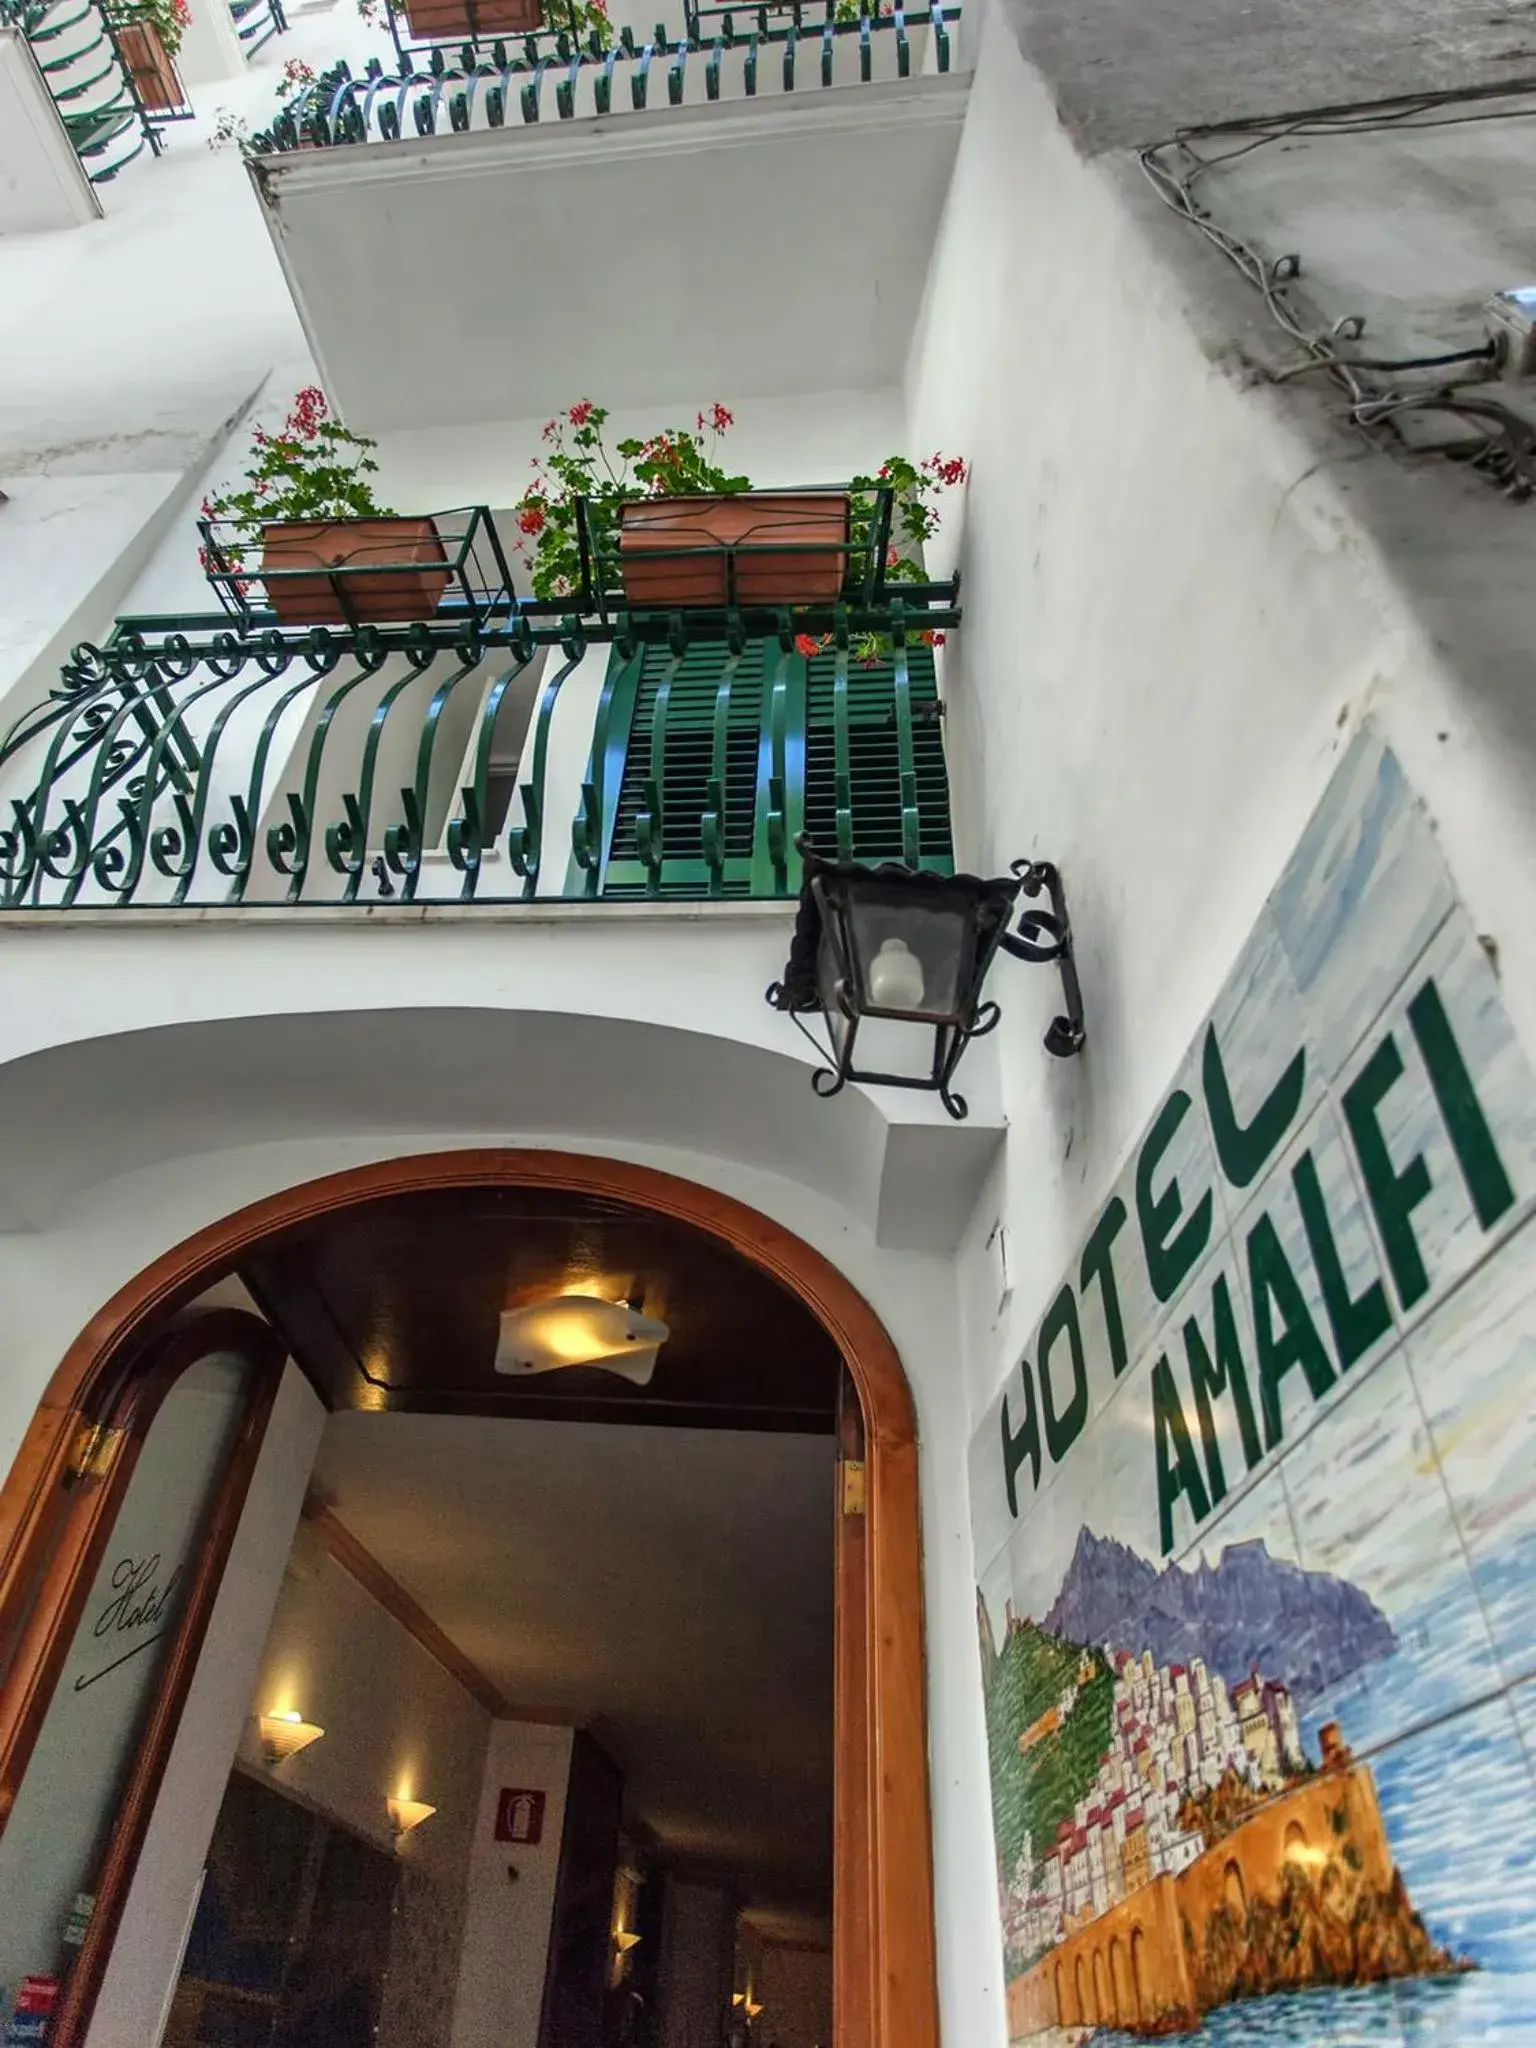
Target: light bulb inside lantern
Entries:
(896, 977)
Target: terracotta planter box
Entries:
(806, 531)
(154, 75)
(405, 556)
(467, 20)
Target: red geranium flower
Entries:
(581, 412)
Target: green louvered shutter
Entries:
(710, 706)
(684, 739)
(878, 750)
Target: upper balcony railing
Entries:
(495, 749)
(108, 73)
(726, 53)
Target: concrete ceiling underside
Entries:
(671, 1588)
(759, 246)
(1127, 73)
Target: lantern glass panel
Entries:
(914, 956)
(829, 976)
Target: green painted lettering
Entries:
(1293, 1340)
(1063, 1430)
(1393, 1196)
(1223, 1374)
(1476, 1154)
(1356, 1320)
(1243, 1148)
(1177, 1471)
(1025, 1445)
(1170, 1253)
(1099, 1264)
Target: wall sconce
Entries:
(405, 1814)
(895, 957)
(284, 1735)
(618, 1962)
(580, 1329)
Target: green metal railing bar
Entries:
(77, 52)
(480, 92)
(189, 762)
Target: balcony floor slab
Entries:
(773, 246)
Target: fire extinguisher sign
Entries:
(520, 1815)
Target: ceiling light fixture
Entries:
(580, 1329)
(284, 1735)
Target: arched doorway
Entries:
(884, 1974)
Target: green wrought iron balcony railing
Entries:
(111, 105)
(725, 54)
(500, 750)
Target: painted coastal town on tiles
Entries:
(1255, 1533)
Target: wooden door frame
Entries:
(884, 1963)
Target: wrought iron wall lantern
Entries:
(895, 957)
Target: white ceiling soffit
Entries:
(746, 247)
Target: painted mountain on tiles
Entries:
(1248, 1610)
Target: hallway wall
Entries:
(507, 1916)
(793, 1984)
(698, 1953)
(396, 1724)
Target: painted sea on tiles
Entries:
(1255, 1512)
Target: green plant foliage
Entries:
(169, 19)
(679, 462)
(1033, 1792)
(577, 463)
(312, 468)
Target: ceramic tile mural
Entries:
(1255, 1514)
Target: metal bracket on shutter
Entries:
(854, 1492)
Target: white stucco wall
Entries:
(1175, 622)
